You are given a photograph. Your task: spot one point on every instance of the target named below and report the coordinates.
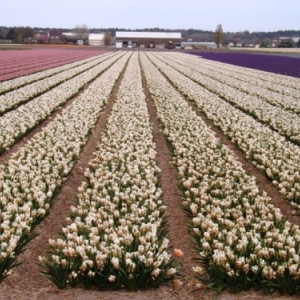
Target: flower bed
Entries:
(12, 84)
(33, 175)
(278, 94)
(270, 82)
(23, 94)
(241, 238)
(115, 235)
(16, 123)
(20, 63)
(287, 123)
(271, 63)
(266, 149)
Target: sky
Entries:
(233, 15)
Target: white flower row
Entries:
(251, 77)
(31, 177)
(251, 89)
(18, 82)
(236, 226)
(18, 122)
(266, 149)
(29, 91)
(115, 226)
(285, 122)
(275, 82)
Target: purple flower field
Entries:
(270, 63)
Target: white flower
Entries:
(111, 278)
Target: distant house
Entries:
(76, 38)
(96, 39)
(42, 36)
(246, 43)
(285, 42)
(145, 39)
(198, 45)
(55, 36)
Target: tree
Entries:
(218, 35)
(20, 34)
(107, 38)
(25, 34)
(81, 33)
(12, 34)
(265, 43)
(81, 30)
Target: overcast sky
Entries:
(234, 15)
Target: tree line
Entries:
(20, 34)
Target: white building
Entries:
(97, 39)
(198, 45)
(147, 39)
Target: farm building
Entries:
(93, 39)
(76, 38)
(136, 39)
(55, 36)
(198, 45)
(285, 42)
(96, 39)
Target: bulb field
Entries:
(148, 171)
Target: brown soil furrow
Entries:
(177, 220)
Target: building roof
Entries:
(146, 34)
(96, 36)
(75, 36)
(295, 39)
(198, 43)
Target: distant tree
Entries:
(107, 38)
(81, 30)
(218, 35)
(20, 34)
(25, 34)
(11, 34)
(265, 43)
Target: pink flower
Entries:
(178, 253)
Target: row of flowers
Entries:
(12, 84)
(28, 62)
(271, 64)
(285, 122)
(16, 123)
(14, 66)
(25, 93)
(266, 149)
(241, 238)
(288, 102)
(32, 176)
(115, 235)
(267, 82)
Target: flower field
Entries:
(223, 230)
(16, 63)
(271, 63)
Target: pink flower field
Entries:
(24, 62)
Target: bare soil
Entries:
(26, 282)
